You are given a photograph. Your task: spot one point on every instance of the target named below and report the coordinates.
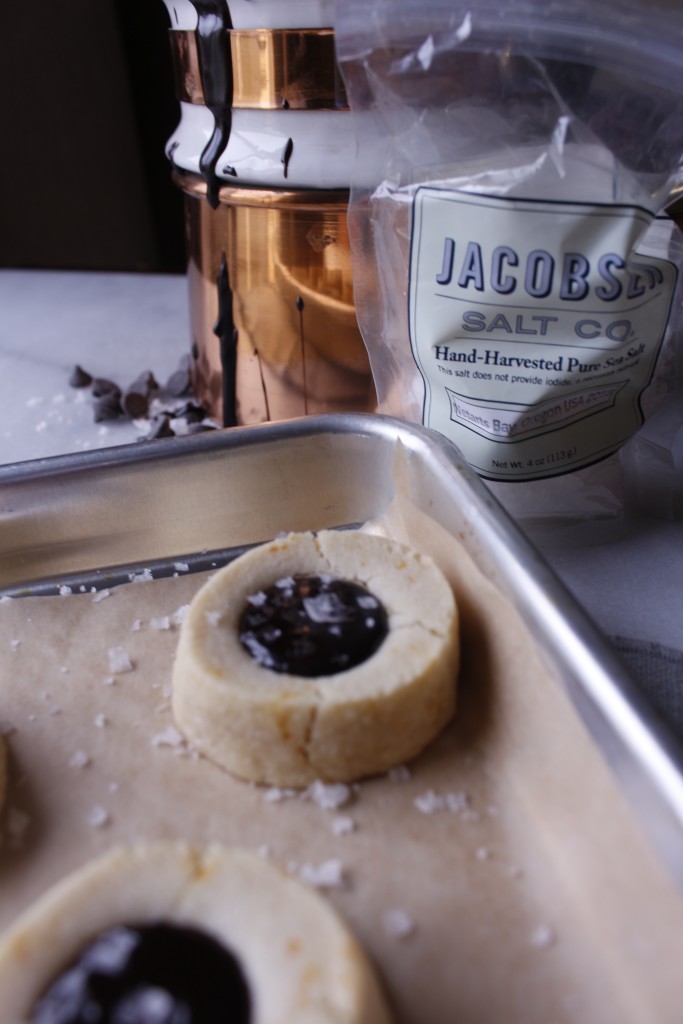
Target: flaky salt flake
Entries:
(101, 720)
(275, 794)
(108, 681)
(79, 759)
(263, 850)
(342, 825)
(54, 709)
(458, 803)
(329, 797)
(170, 737)
(15, 644)
(178, 616)
(328, 875)
(482, 853)
(464, 31)
(430, 802)
(181, 567)
(213, 618)
(140, 577)
(162, 623)
(543, 936)
(119, 661)
(101, 595)
(137, 626)
(65, 591)
(5, 598)
(398, 923)
(98, 816)
(400, 773)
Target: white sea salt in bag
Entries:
(515, 266)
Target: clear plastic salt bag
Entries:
(516, 253)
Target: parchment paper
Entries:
(532, 894)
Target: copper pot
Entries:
(274, 329)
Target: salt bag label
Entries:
(535, 325)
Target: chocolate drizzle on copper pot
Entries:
(225, 330)
(216, 73)
(300, 308)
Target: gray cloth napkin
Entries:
(659, 670)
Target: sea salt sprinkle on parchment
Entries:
(79, 759)
(328, 875)
(170, 737)
(329, 797)
(342, 825)
(398, 923)
(98, 816)
(430, 802)
(119, 661)
(161, 623)
(179, 614)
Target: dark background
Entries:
(87, 107)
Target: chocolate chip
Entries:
(135, 403)
(148, 380)
(101, 387)
(80, 378)
(135, 400)
(108, 406)
(179, 383)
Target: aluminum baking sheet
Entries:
(95, 520)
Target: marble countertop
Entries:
(628, 574)
(113, 325)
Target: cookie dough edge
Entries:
(267, 735)
(169, 879)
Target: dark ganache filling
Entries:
(148, 974)
(310, 625)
